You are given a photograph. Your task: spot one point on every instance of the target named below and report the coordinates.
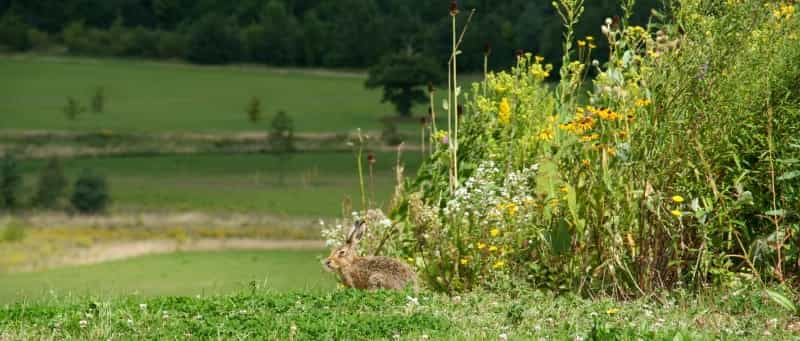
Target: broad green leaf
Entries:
(781, 300)
(789, 176)
(775, 213)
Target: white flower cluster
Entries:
(484, 196)
(374, 219)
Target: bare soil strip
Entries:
(123, 250)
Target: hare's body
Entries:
(371, 272)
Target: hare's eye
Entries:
(341, 252)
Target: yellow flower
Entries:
(492, 248)
(677, 198)
(585, 163)
(504, 117)
(512, 209)
(546, 134)
(539, 59)
(581, 43)
(464, 261)
(589, 38)
(498, 264)
(494, 232)
(481, 246)
(410, 260)
(642, 102)
(592, 46)
(676, 213)
(612, 311)
(564, 189)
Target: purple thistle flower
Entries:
(445, 140)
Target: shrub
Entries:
(679, 169)
(90, 195)
(10, 183)
(72, 109)
(40, 41)
(51, 186)
(99, 100)
(14, 33)
(253, 110)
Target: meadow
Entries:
(147, 96)
(314, 184)
(182, 273)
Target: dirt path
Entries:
(123, 250)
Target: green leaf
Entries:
(789, 176)
(776, 213)
(781, 300)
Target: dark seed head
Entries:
(371, 158)
(487, 48)
(454, 7)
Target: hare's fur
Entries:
(371, 272)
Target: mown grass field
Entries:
(146, 96)
(183, 273)
(314, 185)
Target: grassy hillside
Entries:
(314, 184)
(183, 273)
(358, 315)
(147, 96)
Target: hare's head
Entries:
(343, 256)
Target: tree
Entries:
(52, 185)
(14, 33)
(253, 110)
(281, 140)
(10, 182)
(72, 109)
(213, 40)
(99, 100)
(403, 78)
(90, 194)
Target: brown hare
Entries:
(367, 272)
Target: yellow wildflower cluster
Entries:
(580, 124)
(494, 232)
(504, 114)
(785, 11)
(590, 137)
(642, 102)
(546, 134)
(604, 114)
(511, 208)
(539, 71)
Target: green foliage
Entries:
(99, 100)
(679, 171)
(253, 110)
(72, 109)
(213, 40)
(341, 34)
(10, 182)
(281, 135)
(14, 33)
(403, 78)
(389, 134)
(91, 193)
(52, 185)
(350, 314)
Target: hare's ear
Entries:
(356, 232)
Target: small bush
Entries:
(90, 194)
(52, 185)
(99, 100)
(72, 109)
(253, 110)
(10, 182)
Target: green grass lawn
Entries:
(147, 96)
(314, 183)
(183, 273)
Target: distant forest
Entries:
(304, 33)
